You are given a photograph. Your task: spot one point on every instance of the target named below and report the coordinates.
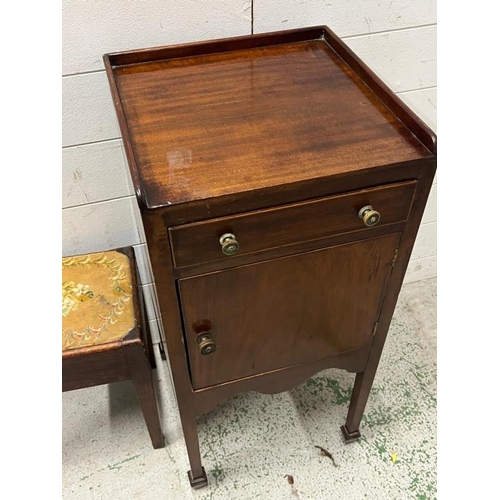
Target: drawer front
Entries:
(261, 230)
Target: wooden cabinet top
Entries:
(218, 118)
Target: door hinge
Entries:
(394, 258)
(375, 327)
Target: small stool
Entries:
(104, 336)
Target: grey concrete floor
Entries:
(250, 443)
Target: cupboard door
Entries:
(286, 311)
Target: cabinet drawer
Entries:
(261, 230)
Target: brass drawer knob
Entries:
(206, 343)
(229, 244)
(370, 217)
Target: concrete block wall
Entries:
(397, 38)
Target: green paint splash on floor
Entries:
(119, 465)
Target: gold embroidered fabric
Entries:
(97, 303)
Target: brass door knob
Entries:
(206, 343)
(370, 217)
(229, 244)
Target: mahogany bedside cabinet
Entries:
(281, 186)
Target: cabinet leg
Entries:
(149, 346)
(197, 475)
(359, 398)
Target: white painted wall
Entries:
(397, 38)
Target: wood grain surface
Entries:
(277, 227)
(222, 123)
(286, 311)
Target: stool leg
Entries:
(141, 375)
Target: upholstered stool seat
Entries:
(104, 333)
